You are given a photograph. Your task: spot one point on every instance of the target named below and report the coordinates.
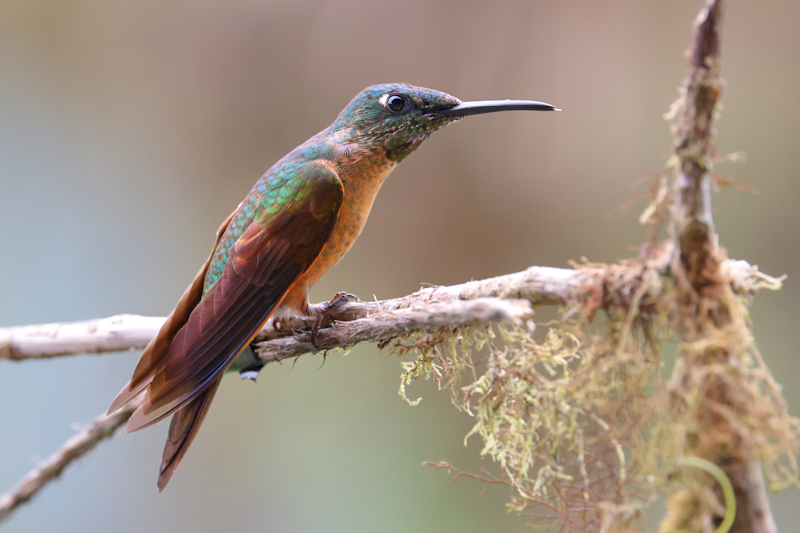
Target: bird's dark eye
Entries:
(395, 103)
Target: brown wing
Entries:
(265, 262)
(157, 349)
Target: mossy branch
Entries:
(538, 285)
(718, 397)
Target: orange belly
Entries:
(362, 179)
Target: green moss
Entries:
(582, 424)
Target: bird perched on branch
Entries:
(295, 224)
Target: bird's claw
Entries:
(342, 298)
(310, 336)
(322, 312)
(315, 330)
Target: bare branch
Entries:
(112, 334)
(101, 428)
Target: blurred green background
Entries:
(129, 130)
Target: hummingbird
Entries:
(297, 222)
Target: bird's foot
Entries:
(323, 313)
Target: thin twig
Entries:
(103, 427)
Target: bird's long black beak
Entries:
(490, 106)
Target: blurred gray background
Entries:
(129, 130)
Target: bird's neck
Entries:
(360, 164)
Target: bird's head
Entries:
(398, 117)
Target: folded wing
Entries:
(181, 368)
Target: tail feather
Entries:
(185, 423)
(127, 394)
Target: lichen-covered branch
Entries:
(718, 395)
(539, 285)
(694, 151)
(103, 427)
(386, 322)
